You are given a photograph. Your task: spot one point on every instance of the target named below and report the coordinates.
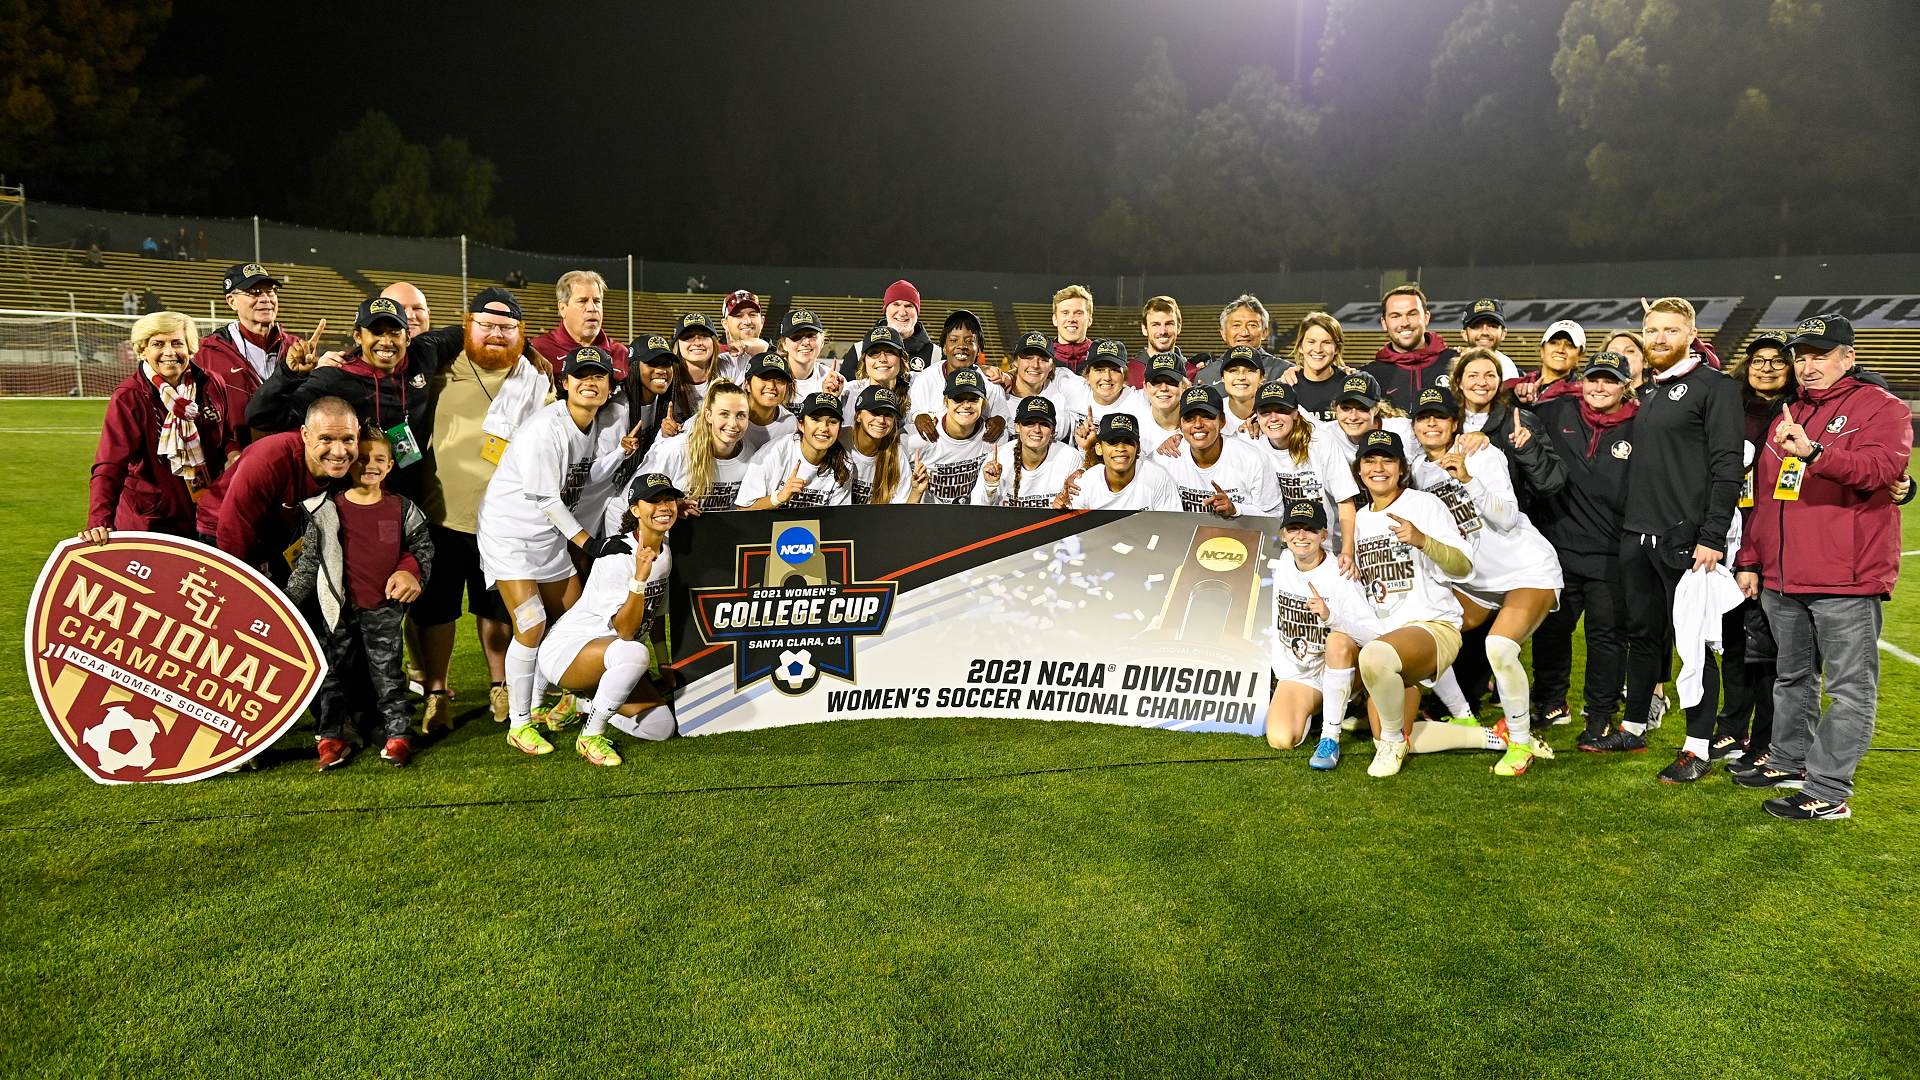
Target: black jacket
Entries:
(1537, 470)
(1584, 518)
(922, 353)
(1683, 481)
(1317, 397)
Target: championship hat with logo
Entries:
(654, 350)
(652, 487)
(799, 321)
(1777, 339)
(966, 382)
(1119, 427)
(694, 322)
(821, 403)
(1382, 443)
(1108, 352)
(1241, 356)
(245, 276)
(1823, 332)
(1034, 410)
(1360, 388)
(1034, 342)
(886, 337)
(1435, 401)
(586, 360)
(1276, 395)
(1304, 514)
(879, 400)
(379, 310)
(770, 365)
(1201, 400)
(1610, 364)
(1167, 367)
(1485, 309)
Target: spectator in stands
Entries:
(902, 312)
(1414, 357)
(516, 279)
(252, 511)
(480, 401)
(1243, 322)
(129, 303)
(149, 248)
(1828, 502)
(390, 384)
(166, 437)
(1562, 351)
(94, 258)
(200, 246)
(183, 246)
(582, 297)
(243, 353)
(1484, 326)
(743, 319)
(1072, 322)
(1160, 325)
(150, 302)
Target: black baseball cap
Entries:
(654, 350)
(1167, 367)
(821, 403)
(1241, 356)
(1119, 427)
(770, 365)
(1436, 400)
(1611, 364)
(1107, 351)
(1823, 332)
(1035, 410)
(1304, 514)
(1200, 399)
(586, 360)
(966, 382)
(1034, 342)
(1485, 309)
(246, 276)
(1779, 339)
(652, 487)
(1360, 387)
(799, 320)
(886, 337)
(962, 315)
(494, 294)
(376, 310)
(694, 322)
(1381, 443)
(878, 399)
(1276, 393)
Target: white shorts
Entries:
(560, 646)
(507, 558)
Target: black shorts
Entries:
(456, 569)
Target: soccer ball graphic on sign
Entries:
(795, 668)
(100, 738)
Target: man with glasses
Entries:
(245, 352)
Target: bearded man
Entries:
(480, 400)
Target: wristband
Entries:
(636, 586)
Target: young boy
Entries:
(365, 555)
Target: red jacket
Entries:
(557, 343)
(253, 511)
(1842, 536)
(220, 357)
(134, 489)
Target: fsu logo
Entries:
(1838, 422)
(159, 659)
(1679, 391)
(1623, 449)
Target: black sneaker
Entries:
(1595, 731)
(1686, 768)
(1768, 777)
(1621, 741)
(1746, 763)
(1804, 807)
(1726, 746)
(1555, 715)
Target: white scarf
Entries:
(179, 434)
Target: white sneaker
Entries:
(1658, 707)
(1387, 757)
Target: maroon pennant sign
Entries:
(155, 658)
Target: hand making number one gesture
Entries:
(1220, 504)
(1407, 532)
(1789, 436)
(1318, 605)
(791, 488)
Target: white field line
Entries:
(1889, 647)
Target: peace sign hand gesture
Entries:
(303, 355)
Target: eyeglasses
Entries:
(1764, 362)
(259, 291)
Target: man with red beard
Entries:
(244, 353)
(480, 400)
(1414, 358)
(582, 296)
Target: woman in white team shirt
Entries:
(1241, 374)
(1216, 474)
(1166, 380)
(1032, 467)
(771, 404)
(526, 522)
(808, 468)
(1035, 373)
(961, 341)
(961, 443)
(882, 363)
(1516, 572)
(1117, 476)
(708, 460)
(604, 642)
(1305, 463)
(1105, 370)
(1321, 621)
(881, 472)
(802, 339)
(1409, 554)
(1360, 406)
(697, 343)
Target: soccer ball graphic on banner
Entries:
(118, 719)
(796, 668)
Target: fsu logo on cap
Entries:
(1108, 347)
(1429, 397)
(658, 342)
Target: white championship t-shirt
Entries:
(954, 464)
(549, 456)
(1241, 470)
(1037, 486)
(1300, 645)
(928, 394)
(864, 468)
(1401, 582)
(1508, 552)
(1151, 489)
(775, 463)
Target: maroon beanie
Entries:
(903, 290)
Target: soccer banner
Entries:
(1145, 619)
(155, 658)
(1892, 312)
(1592, 313)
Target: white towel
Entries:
(1699, 602)
(522, 395)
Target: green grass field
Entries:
(703, 911)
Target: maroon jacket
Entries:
(1842, 535)
(134, 488)
(253, 511)
(219, 355)
(557, 343)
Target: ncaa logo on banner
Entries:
(158, 659)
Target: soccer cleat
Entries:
(1619, 741)
(333, 754)
(396, 752)
(1804, 807)
(597, 749)
(564, 712)
(437, 713)
(497, 698)
(1657, 708)
(1326, 755)
(1387, 757)
(1464, 721)
(1726, 746)
(1554, 715)
(1769, 777)
(527, 739)
(1686, 768)
(1515, 760)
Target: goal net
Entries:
(58, 354)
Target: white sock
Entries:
(1447, 689)
(1632, 728)
(626, 665)
(1696, 747)
(1495, 742)
(522, 665)
(1380, 670)
(653, 725)
(1510, 679)
(1336, 687)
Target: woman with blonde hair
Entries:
(707, 461)
(165, 438)
(1317, 348)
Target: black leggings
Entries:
(1600, 600)
(1648, 584)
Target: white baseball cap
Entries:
(1570, 328)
